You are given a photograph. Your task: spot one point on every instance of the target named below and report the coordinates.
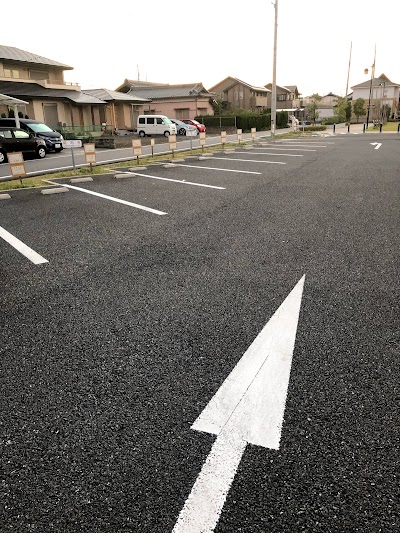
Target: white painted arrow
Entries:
(248, 408)
(377, 145)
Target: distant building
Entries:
(179, 101)
(237, 94)
(379, 93)
(287, 98)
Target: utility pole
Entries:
(273, 98)
(348, 71)
(370, 85)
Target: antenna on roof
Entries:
(138, 73)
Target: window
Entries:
(202, 111)
(11, 73)
(182, 113)
(6, 134)
(142, 120)
(281, 97)
(235, 95)
(150, 120)
(159, 120)
(20, 134)
(240, 95)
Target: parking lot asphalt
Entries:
(113, 347)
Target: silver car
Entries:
(184, 129)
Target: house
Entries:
(325, 106)
(237, 94)
(177, 101)
(379, 93)
(39, 81)
(287, 98)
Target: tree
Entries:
(340, 108)
(312, 107)
(359, 108)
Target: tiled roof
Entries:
(107, 95)
(169, 91)
(32, 90)
(16, 54)
(236, 80)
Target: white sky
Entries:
(183, 41)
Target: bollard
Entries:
(380, 127)
(334, 128)
(348, 127)
(398, 128)
(364, 127)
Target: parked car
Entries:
(183, 128)
(155, 125)
(53, 139)
(199, 126)
(18, 140)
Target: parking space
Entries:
(199, 185)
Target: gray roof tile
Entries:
(16, 54)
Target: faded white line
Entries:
(176, 181)
(248, 408)
(269, 153)
(22, 248)
(248, 160)
(223, 169)
(287, 149)
(118, 200)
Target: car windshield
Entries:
(195, 122)
(39, 128)
(167, 120)
(179, 122)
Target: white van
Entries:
(155, 125)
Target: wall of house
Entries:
(174, 108)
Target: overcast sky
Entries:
(183, 41)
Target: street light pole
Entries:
(370, 85)
(273, 96)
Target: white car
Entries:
(184, 129)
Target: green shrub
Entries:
(313, 128)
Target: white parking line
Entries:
(288, 149)
(249, 160)
(176, 181)
(22, 248)
(304, 144)
(223, 169)
(118, 200)
(268, 153)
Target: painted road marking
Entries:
(377, 145)
(268, 153)
(22, 248)
(247, 409)
(249, 160)
(177, 181)
(288, 149)
(118, 200)
(223, 169)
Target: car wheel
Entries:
(142, 134)
(166, 133)
(182, 131)
(41, 152)
(3, 157)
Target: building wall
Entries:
(171, 108)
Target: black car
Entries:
(52, 138)
(18, 140)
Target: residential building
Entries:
(379, 93)
(288, 98)
(176, 101)
(237, 94)
(40, 82)
(325, 106)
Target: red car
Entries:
(199, 126)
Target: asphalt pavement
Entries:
(115, 344)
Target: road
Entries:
(117, 414)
